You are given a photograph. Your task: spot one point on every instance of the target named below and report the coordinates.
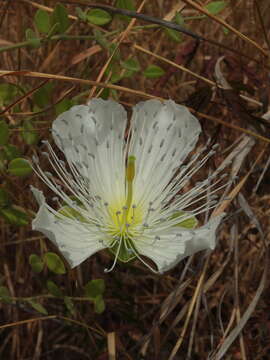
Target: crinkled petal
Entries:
(170, 247)
(73, 240)
(163, 135)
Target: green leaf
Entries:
(5, 295)
(53, 30)
(54, 263)
(32, 37)
(38, 307)
(81, 14)
(7, 93)
(100, 39)
(36, 263)
(4, 132)
(4, 198)
(173, 35)
(60, 15)
(131, 65)
(69, 304)
(94, 288)
(11, 152)
(98, 17)
(190, 223)
(54, 289)
(115, 78)
(19, 167)
(125, 4)
(14, 216)
(153, 72)
(42, 21)
(99, 304)
(42, 95)
(179, 19)
(215, 7)
(29, 133)
(63, 105)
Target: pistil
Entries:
(130, 174)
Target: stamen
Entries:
(116, 256)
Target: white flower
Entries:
(123, 187)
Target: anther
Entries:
(35, 159)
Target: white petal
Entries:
(175, 244)
(92, 138)
(74, 241)
(163, 135)
(82, 123)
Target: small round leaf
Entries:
(54, 263)
(29, 133)
(19, 167)
(99, 304)
(42, 21)
(94, 288)
(153, 72)
(98, 17)
(54, 289)
(36, 263)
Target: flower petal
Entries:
(170, 247)
(93, 121)
(163, 135)
(92, 139)
(75, 241)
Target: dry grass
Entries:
(211, 306)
